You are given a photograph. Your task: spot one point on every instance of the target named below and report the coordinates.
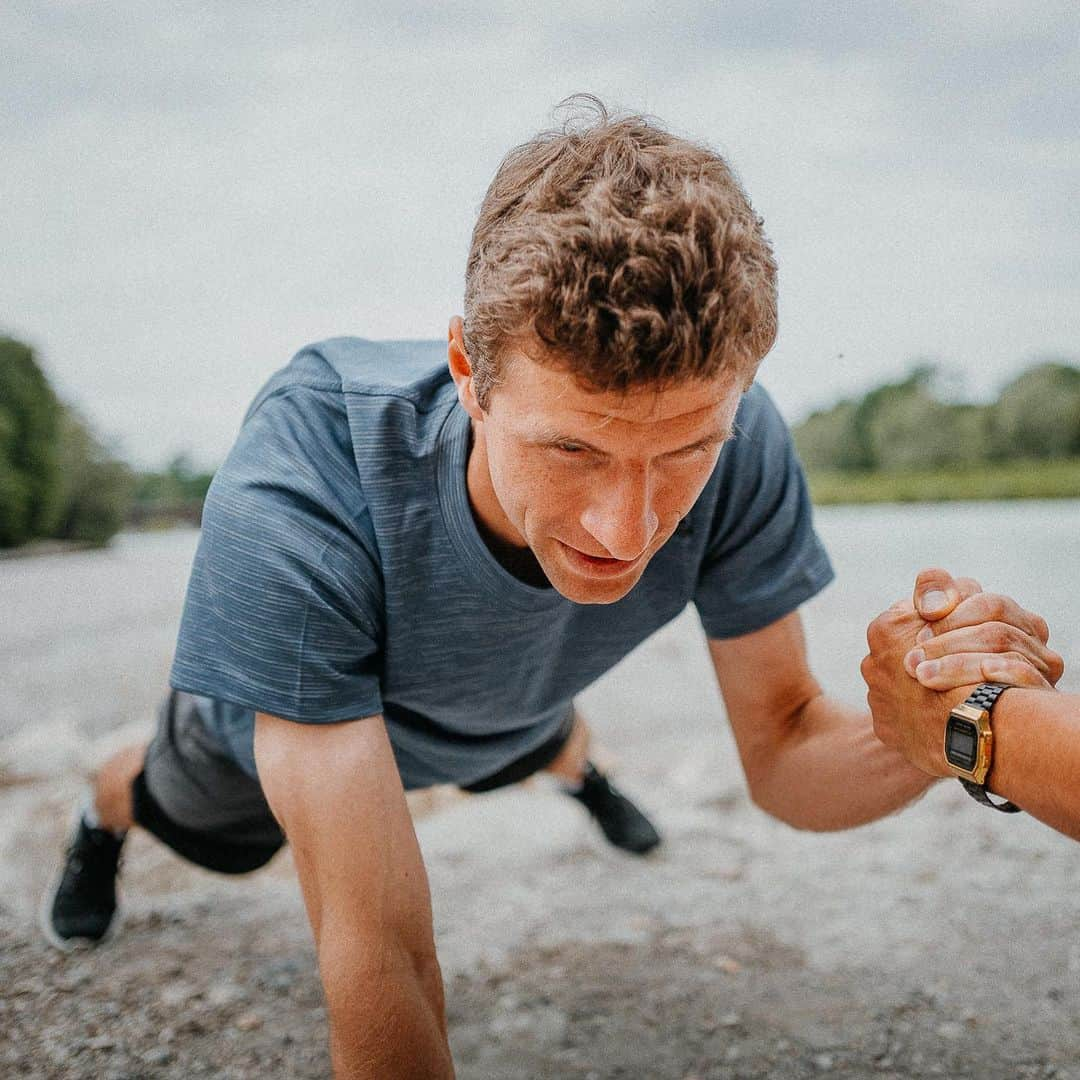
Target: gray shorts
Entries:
(193, 797)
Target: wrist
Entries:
(971, 746)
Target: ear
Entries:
(461, 370)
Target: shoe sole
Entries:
(72, 944)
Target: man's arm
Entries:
(809, 761)
(818, 764)
(335, 790)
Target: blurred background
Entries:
(191, 193)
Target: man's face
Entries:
(593, 483)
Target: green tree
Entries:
(1038, 414)
(30, 417)
(97, 489)
(830, 439)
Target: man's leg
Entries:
(621, 821)
(113, 803)
(569, 765)
(80, 906)
(185, 790)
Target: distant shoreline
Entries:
(1052, 479)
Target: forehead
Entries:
(530, 390)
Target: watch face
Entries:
(961, 743)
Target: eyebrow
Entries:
(548, 436)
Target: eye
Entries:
(569, 448)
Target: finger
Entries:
(935, 594)
(967, 586)
(966, 669)
(990, 637)
(988, 607)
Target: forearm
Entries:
(830, 771)
(386, 1013)
(1036, 761)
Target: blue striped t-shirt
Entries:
(340, 573)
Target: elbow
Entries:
(794, 813)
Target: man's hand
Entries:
(949, 645)
(970, 637)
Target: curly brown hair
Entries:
(632, 256)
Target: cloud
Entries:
(192, 191)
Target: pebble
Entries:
(178, 994)
(159, 1055)
(824, 1062)
(225, 994)
(248, 1021)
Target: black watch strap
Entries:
(979, 793)
(985, 694)
(983, 697)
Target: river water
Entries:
(86, 638)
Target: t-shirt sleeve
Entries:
(763, 558)
(283, 607)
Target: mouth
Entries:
(596, 565)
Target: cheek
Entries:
(529, 488)
(681, 489)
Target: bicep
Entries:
(766, 682)
(336, 792)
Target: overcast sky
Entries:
(190, 192)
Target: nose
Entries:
(620, 516)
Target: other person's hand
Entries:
(975, 637)
(971, 636)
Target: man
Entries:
(404, 578)
(917, 672)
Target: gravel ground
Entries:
(944, 941)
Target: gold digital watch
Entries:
(969, 743)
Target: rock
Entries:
(178, 994)
(248, 1021)
(225, 994)
(727, 964)
(824, 1062)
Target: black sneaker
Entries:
(80, 906)
(622, 822)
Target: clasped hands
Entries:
(928, 653)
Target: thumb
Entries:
(936, 594)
